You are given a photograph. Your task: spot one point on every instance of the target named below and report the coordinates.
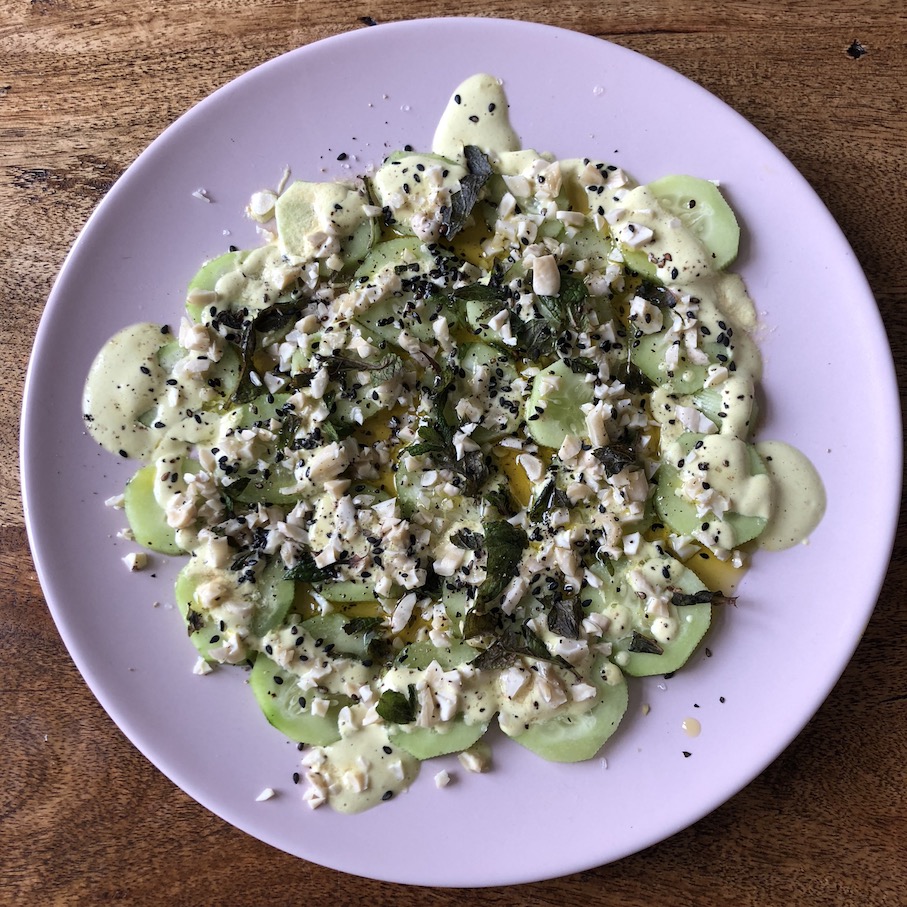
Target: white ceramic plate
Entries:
(774, 659)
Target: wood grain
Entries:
(85, 819)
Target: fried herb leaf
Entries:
(362, 626)
(376, 643)
(615, 458)
(455, 215)
(704, 597)
(605, 560)
(268, 321)
(494, 658)
(467, 539)
(645, 644)
(657, 294)
(437, 442)
(397, 708)
(195, 620)
(536, 339)
(505, 544)
(384, 369)
(582, 365)
(289, 425)
(230, 493)
(549, 497)
(502, 501)
(565, 311)
(632, 378)
(305, 570)
(481, 623)
(511, 644)
(565, 618)
(336, 429)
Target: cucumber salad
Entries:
(466, 441)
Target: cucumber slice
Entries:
(455, 735)
(575, 737)
(489, 381)
(680, 514)
(146, 517)
(701, 206)
(588, 244)
(419, 655)
(306, 210)
(206, 279)
(289, 709)
(263, 487)
(207, 630)
(221, 378)
(348, 591)
(648, 352)
(274, 597)
(412, 307)
(403, 184)
(677, 636)
(427, 742)
(557, 413)
(329, 627)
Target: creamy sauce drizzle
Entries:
(477, 114)
(126, 381)
(799, 496)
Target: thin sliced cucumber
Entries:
(204, 630)
(428, 742)
(289, 709)
(306, 212)
(577, 736)
(551, 415)
(416, 265)
(419, 655)
(648, 353)
(402, 185)
(701, 206)
(590, 245)
(680, 514)
(221, 377)
(274, 597)
(677, 635)
(330, 629)
(488, 380)
(206, 279)
(146, 517)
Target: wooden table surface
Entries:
(84, 86)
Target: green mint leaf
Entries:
(565, 618)
(305, 570)
(397, 708)
(645, 644)
(582, 365)
(615, 458)
(468, 540)
(502, 501)
(704, 597)
(505, 544)
(455, 215)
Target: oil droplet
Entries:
(598, 91)
(691, 727)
